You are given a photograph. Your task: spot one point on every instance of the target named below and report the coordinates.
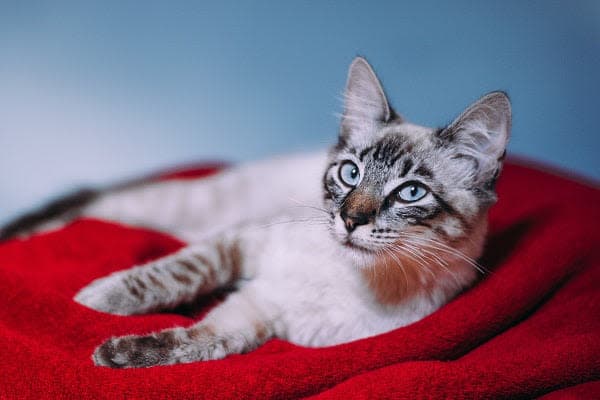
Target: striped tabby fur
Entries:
(321, 249)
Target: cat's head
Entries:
(390, 182)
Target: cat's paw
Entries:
(127, 352)
(171, 346)
(138, 351)
(111, 295)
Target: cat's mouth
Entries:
(351, 245)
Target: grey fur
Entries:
(457, 164)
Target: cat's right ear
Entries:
(480, 134)
(365, 105)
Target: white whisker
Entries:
(310, 206)
(436, 244)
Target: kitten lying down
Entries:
(321, 249)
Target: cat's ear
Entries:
(365, 104)
(481, 133)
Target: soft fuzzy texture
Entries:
(529, 328)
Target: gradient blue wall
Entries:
(94, 92)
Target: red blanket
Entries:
(529, 328)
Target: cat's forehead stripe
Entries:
(408, 164)
(364, 152)
(424, 171)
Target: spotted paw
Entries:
(138, 351)
(172, 346)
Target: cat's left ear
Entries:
(481, 133)
(365, 105)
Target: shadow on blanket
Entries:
(530, 327)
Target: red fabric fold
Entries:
(529, 328)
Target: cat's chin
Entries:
(359, 255)
(351, 245)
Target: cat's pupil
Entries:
(354, 173)
(414, 190)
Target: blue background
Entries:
(91, 93)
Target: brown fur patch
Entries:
(204, 261)
(200, 331)
(133, 290)
(441, 233)
(359, 202)
(189, 266)
(262, 333)
(235, 258)
(168, 340)
(222, 254)
(392, 283)
(156, 282)
(186, 280)
(140, 283)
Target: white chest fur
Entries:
(318, 296)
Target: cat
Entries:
(319, 249)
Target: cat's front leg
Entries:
(240, 324)
(166, 282)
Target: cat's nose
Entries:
(351, 221)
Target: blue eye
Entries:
(349, 173)
(412, 191)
